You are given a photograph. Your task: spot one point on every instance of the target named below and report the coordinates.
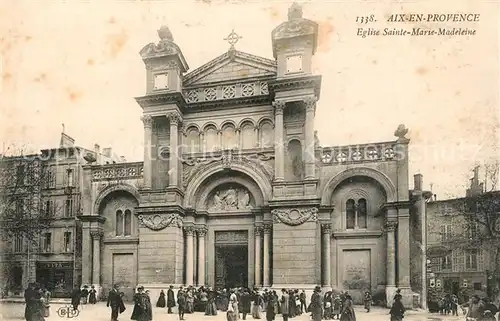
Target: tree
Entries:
(481, 215)
(25, 213)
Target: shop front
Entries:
(57, 277)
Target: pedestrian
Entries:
(181, 303)
(285, 304)
(115, 301)
(232, 313)
(246, 303)
(92, 295)
(29, 298)
(347, 309)
(170, 299)
(84, 294)
(76, 296)
(302, 298)
(141, 309)
(46, 302)
(316, 304)
(271, 302)
(161, 300)
(397, 310)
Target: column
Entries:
(267, 253)
(256, 136)
(258, 249)
(96, 253)
(391, 253)
(174, 119)
(310, 159)
(189, 255)
(201, 255)
(239, 137)
(403, 254)
(201, 147)
(148, 122)
(219, 135)
(279, 152)
(326, 229)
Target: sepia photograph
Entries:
(240, 160)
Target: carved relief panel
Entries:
(230, 197)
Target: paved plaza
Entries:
(99, 312)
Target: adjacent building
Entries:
(54, 259)
(235, 189)
(456, 266)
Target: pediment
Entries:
(233, 65)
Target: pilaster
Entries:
(310, 159)
(267, 254)
(147, 170)
(279, 151)
(189, 230)
(326, 230)
(258, 230)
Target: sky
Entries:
(78, 63)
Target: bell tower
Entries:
(165, 64)
(294, 44)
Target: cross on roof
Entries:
(232, 38)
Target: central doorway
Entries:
(232, 266)
(231, 259)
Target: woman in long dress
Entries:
(92, 295)
(257, 305)
(46, 303)
(142, 306)
(347, 310)
(397, 310)
(232, 313)
(211, 308)
(270, 311)
(189, 302)
(316, 304)
(161, 300)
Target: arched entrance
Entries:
(228, 204)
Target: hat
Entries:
(317, 288)
(139, 288)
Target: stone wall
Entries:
(295, 254)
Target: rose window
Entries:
(247, 90)
(228, 92)
(210, 94)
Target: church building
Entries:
(235, 189)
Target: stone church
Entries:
(235, 189)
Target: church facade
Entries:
(235, 189)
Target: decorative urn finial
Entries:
(295, 11)
(401, 132)
(165, 34)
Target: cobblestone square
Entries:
(99, 312)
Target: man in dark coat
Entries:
(170, 299)
(29, 298)
(181, 303)
(246, 302)
(116, 302)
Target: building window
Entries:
(18, 244)
(49, 205)
(67, 241)
(356, 214)
(445, 232)
(471, 259)
(20, 175)
(47, 242)
(446, 262)
(69, 177)
(161, 81)
(478, 286)
(294, 64)
(68, 208)
(20, 206)
(50, 178)
(123, 223)
(472, 230)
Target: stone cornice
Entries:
(155, 209)
(121, 240)
(92, 218)
(245, 80)
(161, 99)
(356, 234)
(299, 202)
(295, 83)
(398, 205)
(229, 103)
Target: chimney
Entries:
(417, 182)
(107, 152)
(97, 149)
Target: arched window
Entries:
(350, 214)
(361, 212)
(356, 214)
(247, 136)
(119, 223)
(266, 134)
(229, 137)
(193, 140)
(123, 222)
(211, 139)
